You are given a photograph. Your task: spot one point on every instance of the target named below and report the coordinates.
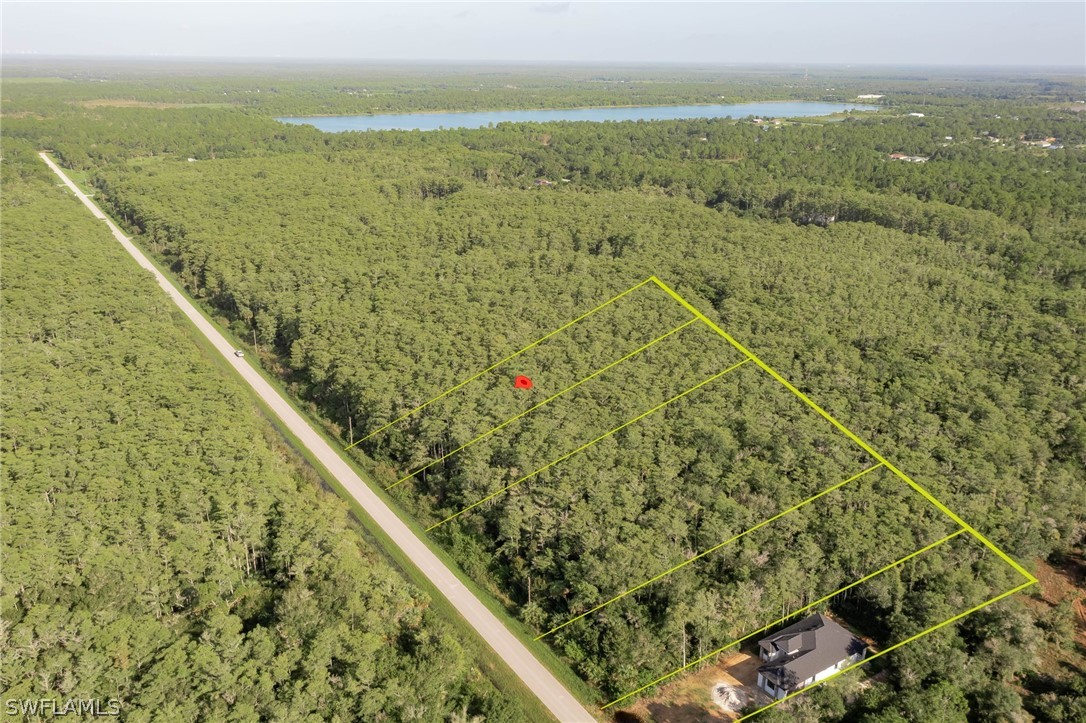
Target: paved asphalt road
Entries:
(538, 679)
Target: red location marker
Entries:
(522, 383)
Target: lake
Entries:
(434, 121)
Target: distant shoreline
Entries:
(431, 120)
(579, 107)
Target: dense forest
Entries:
(936, 308)
(162, 547)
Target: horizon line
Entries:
(690, 64)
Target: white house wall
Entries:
(764, 683)
(841, 665)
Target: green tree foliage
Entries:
(936, 308)
(270, 89)
(161, 546)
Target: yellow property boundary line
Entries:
(787, 617)
(583, 447)
(546, 401)
(868, 448)
(965, 527)
(713, 549)
(495, 365)
(750, 356)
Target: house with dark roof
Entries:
(804, 653)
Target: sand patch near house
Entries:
(693, 698)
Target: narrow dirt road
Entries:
(521, 660)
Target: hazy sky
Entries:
(972, 33)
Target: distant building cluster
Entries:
(1042, 142)
(907, 158)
